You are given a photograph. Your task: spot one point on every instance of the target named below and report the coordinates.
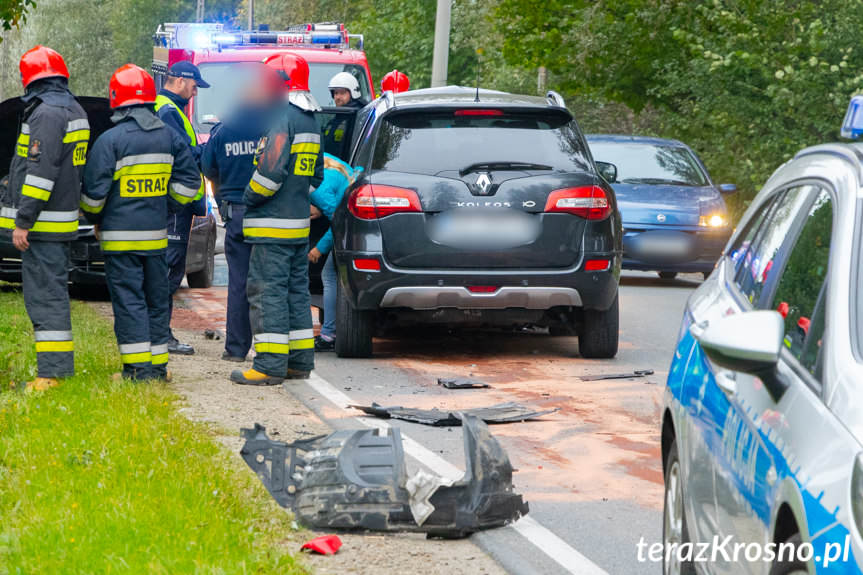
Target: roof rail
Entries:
(555, 99)
(391, 98)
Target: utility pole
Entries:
(251, 15)
(199, 14)
(541, 80)
(440, 59)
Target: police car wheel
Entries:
(674, 530)
(795, 567)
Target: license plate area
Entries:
(493, 229)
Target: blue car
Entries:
(674, 217)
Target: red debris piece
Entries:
(326, 545)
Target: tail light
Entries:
(372, 202)
(596, 265)
(588, 202)
(478, 112)
(367, 265)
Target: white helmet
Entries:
(347, 81)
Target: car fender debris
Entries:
(325, 545)
(501, 413)
(356, 480)
(461, 383)
(636, 373)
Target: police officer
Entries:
(41, 206)
(139, 170)
(276, 223)
(345, 91)
(181, 85)
(228, 162)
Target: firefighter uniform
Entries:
(42, 197)
(138, 171)
(276, 223)
(228, 162)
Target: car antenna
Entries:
(478, 54)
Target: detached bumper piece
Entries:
(356, 480)
(501, 413)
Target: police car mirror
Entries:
(608, 171)
(749, 342)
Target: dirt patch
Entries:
(202, 380)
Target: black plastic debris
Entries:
(501, 413)
(356, 480)
(461, 383)
(213, 334)
(636, 373)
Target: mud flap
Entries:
(356, 480)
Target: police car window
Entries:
(756, 264)
(800, 292)
(435, 142)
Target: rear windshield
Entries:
(650, 163)
(431, 143)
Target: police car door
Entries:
(786, 271)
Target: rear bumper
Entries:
(426, 289)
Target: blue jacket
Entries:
(137, 172)
(327, 197)
(228, 159)
(180, 223)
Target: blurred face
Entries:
(183, 87)
(341, 96)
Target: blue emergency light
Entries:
(852, 125)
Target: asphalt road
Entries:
(591, 471)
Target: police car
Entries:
(762, 427)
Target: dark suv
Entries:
(87, 265)
(479, 209)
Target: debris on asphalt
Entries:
(501, 413)
(214, 334)
(461, 383)
(636, 373)
(325, 545)
(357, 479)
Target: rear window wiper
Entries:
(656, 181)
(502, 166)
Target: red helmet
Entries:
(395, 82)
(131, 85)
(293, 69)
(41, 62)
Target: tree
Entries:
(14, 12)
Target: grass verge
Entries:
(104, 476)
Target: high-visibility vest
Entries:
(162, 100)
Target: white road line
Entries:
(556, 548)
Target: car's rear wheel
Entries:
(203, 278)
(598, 332)
(668, 275)
(675, 533)
(354, 329)
(793, 567)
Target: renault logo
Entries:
(660, 217)
(483, 182)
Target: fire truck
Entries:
(220, 54)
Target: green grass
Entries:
(104, 476)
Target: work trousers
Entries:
(140, 295)
(280, 308)
(176, 271)
(45, 278)
(238, 339)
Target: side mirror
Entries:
(747, 342)
(727, 188)
(608, 171)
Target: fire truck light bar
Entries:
(202, 36)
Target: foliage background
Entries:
(746, 83)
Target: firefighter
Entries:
(139, 170)
(345, 91)
(289, 163)
(41, 206)
(395, 82)
(181, 85)
(228, 162)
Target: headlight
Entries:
(714, 221)
(857, 492)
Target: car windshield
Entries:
(454, 141)
(650, 163)
(228, 79)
